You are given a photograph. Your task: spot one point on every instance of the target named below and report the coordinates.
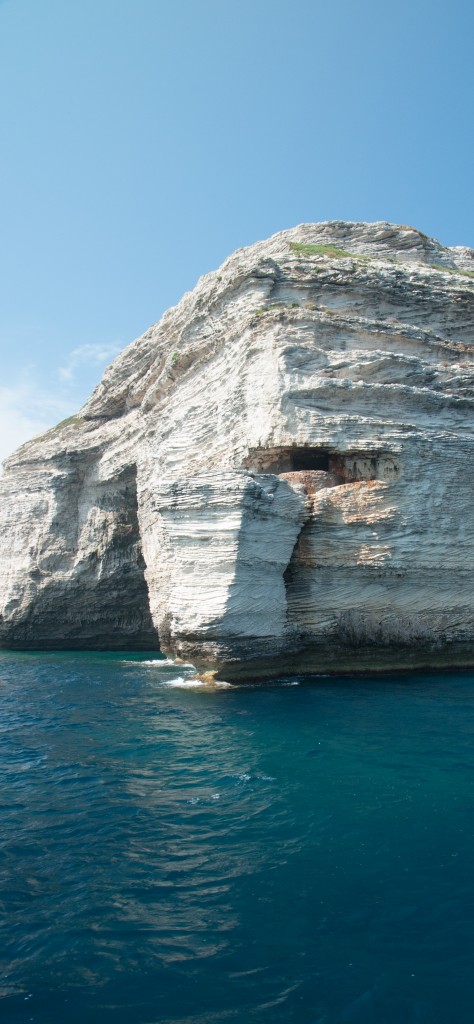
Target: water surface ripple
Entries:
(278, 853)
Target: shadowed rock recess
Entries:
(276, 477)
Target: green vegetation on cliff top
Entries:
(308, 249)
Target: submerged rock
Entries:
(275, 477)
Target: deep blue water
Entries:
(278, 853)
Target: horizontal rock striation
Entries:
(275, 477)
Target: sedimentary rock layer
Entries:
(275, 476)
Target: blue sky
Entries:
(144, 140)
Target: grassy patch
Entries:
(450, 270)
(67, 422)
(304, 249)
(276, 307)
(263, 310)
(409, 227)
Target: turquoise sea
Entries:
(300, 851)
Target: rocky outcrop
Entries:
(275, 477)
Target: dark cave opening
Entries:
(288, 460)
(343, 467)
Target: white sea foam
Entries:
(183, 683)
(162, 662)
(190, 681)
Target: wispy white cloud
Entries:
(27, 410)
(87, 355)
(28, 406)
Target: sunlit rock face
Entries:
(276, 477)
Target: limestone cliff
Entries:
(275, 477)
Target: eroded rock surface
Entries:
(275, 477)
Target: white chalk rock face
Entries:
(276, 477)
